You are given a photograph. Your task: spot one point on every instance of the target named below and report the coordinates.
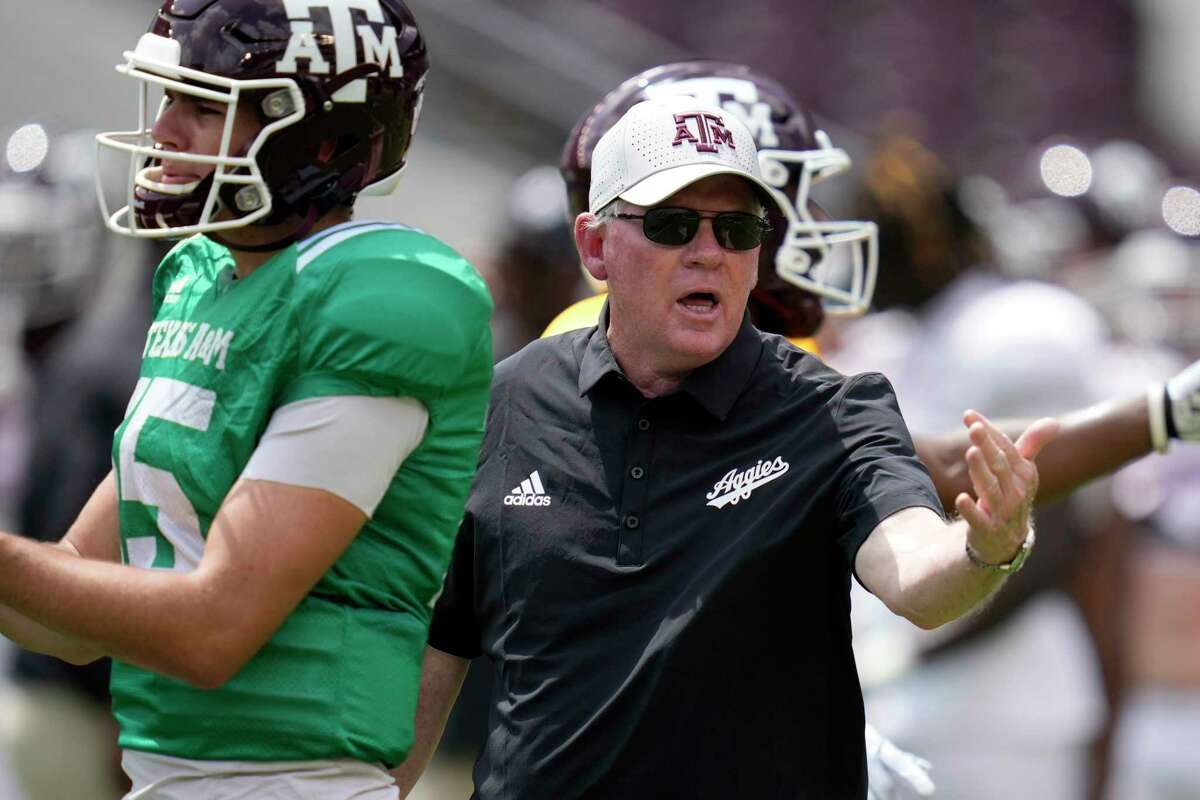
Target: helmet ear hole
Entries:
(277, 104)
(774, 172)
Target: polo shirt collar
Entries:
(715, 386)
(598, 359)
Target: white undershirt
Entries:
(349, 445)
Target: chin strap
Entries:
(296, 235)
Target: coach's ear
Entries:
(590, 232)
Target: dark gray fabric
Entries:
(656, 633)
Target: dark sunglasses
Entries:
(735, 230)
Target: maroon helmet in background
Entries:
(809, 266)
(337, 86)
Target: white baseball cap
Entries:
(662, 146)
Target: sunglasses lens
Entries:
(735, 230)
(738, 231)
(670, 226)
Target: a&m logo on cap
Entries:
(710, 134)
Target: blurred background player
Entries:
(1149, 290)
(1108, 206)
(535, 271)
(1039, 672)
(55, 258)
(295, 457)
(47, 235)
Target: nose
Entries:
(167, 131)
(704, 250)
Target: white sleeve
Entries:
(349, 445)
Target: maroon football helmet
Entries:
(336, 85)
(809, 266)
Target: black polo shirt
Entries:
(663, 584)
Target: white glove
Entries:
(1175, 409)
(894, 774)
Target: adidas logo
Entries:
(529, 493)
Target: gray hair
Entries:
(604, 215)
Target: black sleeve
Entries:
(880, 473)
(455, 627)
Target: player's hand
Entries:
(1183, 405)
(1005, 480)
(894, 774)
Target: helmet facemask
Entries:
(236, 185)
(835, 260)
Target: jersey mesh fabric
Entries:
(386, 311)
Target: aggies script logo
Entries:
(737, 486)
(710, 134)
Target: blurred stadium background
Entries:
(985, 81)
(1068, 131)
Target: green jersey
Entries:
(358, 309)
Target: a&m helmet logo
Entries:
(380, 48)
(710, 131)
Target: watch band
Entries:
(1010, 566)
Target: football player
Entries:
(295, 458)
(53, 249)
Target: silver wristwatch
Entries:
(1010, 566)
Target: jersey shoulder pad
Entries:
(392, 306)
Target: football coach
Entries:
(669, 507)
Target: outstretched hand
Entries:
(1005, 481)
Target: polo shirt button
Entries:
(636, 473)
(632, 521)
(643, 424)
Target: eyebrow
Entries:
(177, 96)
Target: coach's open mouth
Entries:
(702, 303)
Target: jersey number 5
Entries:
(183, 404)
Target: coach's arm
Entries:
(442, 678)
(918, 565)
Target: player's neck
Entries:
(247, 261)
